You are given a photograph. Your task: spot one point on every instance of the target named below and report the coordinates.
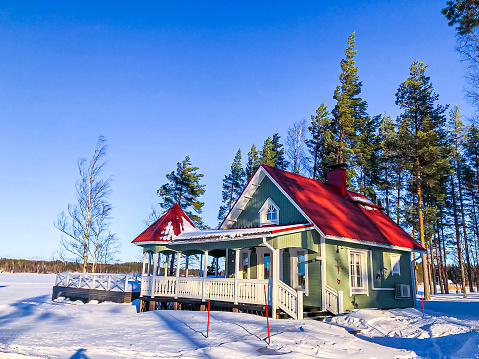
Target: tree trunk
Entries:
(433, 268)
(427, 295)
(399, 196)
(172, 264)
(387, 188)
(468, 261)
(458, 240)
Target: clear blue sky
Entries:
(165, 80)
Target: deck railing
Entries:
(334, 300)
(100, 281)
(290, 300)
(245, 291)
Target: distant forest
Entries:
(45, 267)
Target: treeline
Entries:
(44, 267)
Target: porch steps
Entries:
(315, 313)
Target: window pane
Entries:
(266, 266)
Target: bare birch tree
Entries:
(296, 147)
(86, 221)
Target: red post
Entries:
(208, 325)
(267, 318)
(422, 300)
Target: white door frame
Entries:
(293, 257)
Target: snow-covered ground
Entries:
(33, 326)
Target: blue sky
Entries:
(162, 80)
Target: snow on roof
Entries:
(170, 224)
(231, 234)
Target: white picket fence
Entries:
(334, 300)
(245, 291)
(100, 281)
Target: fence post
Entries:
(340, 301)
(79, 282)
(299, 304)
(68, 280)
(109, 282)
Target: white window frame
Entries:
(364, 289)
(263, 213)
(395, 264)
(293, 258)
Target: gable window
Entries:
(269, 213)
(395, 264)
(358, 276)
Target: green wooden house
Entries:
(299, 243)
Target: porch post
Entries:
(155, 269)
(275, 277)
(167, 257)
(323, 274)
(205, 274)
(237, 259)
(144, 264)
(178, 260)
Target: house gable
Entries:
(250, 216)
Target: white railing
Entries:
(290, 300)
(146, 285)
(249, 291)
(100, 281)
(334, 300)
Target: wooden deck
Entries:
(118, 288)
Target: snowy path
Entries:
(33, 326)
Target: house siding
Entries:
(249, 217)
(339, 280)
(314, 282)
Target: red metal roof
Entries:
(170, 224)
(341, 216)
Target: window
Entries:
(266, 266)
(299, 269)
(272, 213)
(395, 264)
(358, 279)
(245, 264)
(269, 213)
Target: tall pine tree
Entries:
(233, 184)
(184, 187)
(350, 110)
(424, 121)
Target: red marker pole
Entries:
(267, 318)
(208, 325)
(422, 300)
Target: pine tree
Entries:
(387, 142)
(254, 161)
(368, 156)
(423, 120)
(184, 188)
(279, 160)
(321, 142)
(457, 129)
(233, 184)
(268, 155)
(350, 110)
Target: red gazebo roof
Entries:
(170, 224)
